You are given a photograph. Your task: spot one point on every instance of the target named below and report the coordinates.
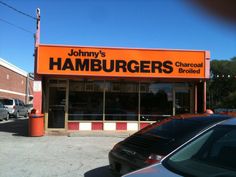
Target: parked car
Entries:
(210, 154)
(3, 112)
(29, 107)
(15, 107)
(154, 142)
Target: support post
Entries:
(37, 88)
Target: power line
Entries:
(13, 8)
(16, 26)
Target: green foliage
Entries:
(230, 100)
(221, 87)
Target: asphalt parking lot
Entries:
(52, 156)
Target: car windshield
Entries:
(180, 128)
(213, 154)
(7, 101)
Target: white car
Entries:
(3, 112)
(15, 107)
(210, 154)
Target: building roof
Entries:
(12, 67)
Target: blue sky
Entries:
(170, 24)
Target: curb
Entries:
(100, 134)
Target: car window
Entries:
(21, 103)
(212, 153)
(16, 102)
(223, 149)
(11, 101)
(1, 105)
(7, 101)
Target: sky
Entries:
(158, 24)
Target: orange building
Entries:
(103, 88)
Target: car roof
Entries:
(197, 117)
(213, 118)
(231, 121)
(190, 116)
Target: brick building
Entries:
(15, 82)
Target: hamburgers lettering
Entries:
(97, 65)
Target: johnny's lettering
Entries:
(86, 53)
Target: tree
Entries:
(221, 88)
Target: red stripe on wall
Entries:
(121, 125)
(38, 101)
(73, 125)
(97, 126)
(143, 125)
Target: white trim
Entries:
(109, 126)
(85, 126)
(12, 92)
(131, 126)
(13, 67)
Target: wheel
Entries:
(26, 114)
(17, 115)
(7, 118)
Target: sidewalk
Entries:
(118, 134)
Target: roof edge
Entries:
(12, 67)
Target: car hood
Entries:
(152, 171)
(145, 144)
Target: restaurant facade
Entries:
(103, 88)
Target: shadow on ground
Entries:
(99, 172)
(18, 127)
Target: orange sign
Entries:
(120, 62)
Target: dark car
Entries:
(15, 107)
(212, 153)
(151, 144)
(3, 112)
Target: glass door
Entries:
(182, 101)
(57, 106)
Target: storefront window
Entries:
(182, 101)
(121, 101)
(156, 101)
(86, 100)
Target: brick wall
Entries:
(13, 84)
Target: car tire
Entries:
(26, 114)
(17, 115)
(7, 118)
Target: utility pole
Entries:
(27, 89)
(37, 88)
(37, 34)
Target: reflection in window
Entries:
(156, 101)
(86, 100)
(121, 101)
(182, 101)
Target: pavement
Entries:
(83, 154)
